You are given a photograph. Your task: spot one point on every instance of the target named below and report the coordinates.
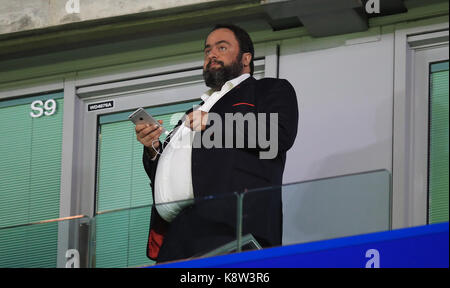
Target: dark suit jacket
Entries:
(223, 172)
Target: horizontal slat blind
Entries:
(114, 178)
(111, 249)
(439, 144)
(33, 246)
(46, 166)
(30, 154)
(15, 151)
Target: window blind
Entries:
(439, 144)
(30, 157)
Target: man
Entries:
(193, 172)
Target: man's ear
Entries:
(246, 59)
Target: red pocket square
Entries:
(155, 241)
(237, 104)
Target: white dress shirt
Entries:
(173, 179)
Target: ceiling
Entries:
(329, 17)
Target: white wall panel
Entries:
(345, 97)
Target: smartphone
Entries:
(140, 116)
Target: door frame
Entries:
(410, 140)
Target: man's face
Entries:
(222, 58)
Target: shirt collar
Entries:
(227, 86)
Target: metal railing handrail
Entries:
(46, 221)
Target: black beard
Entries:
(217, 77)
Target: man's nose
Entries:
(212, 54)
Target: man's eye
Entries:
(207, 52)
(222, 48)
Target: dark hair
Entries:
(244, 40)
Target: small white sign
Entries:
(101, 105)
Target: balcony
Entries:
(314, 212)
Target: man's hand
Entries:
(197, 120)
(148, 135)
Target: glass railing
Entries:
(120, 237)
(318, 210)
(56, 243)
(239, 221)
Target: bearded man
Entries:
(179, 170)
